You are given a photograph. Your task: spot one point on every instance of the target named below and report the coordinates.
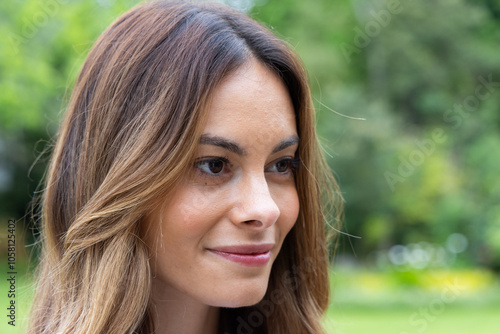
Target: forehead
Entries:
(251, 102)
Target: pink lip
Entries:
(248, 255)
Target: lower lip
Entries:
(252, 260)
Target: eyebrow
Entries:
(235, 148)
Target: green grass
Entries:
(456, 320)
(430, 302)
(24, 292)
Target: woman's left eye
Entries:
(284, 166)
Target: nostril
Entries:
(254, 222)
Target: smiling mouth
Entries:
(247, 255)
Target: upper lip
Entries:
(244, 249)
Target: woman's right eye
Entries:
(213, 166)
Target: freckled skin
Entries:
(250, 203)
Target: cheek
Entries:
(288, 204)
(188, 215)
(178, 228)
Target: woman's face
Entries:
(216, 237)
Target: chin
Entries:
(234, 298)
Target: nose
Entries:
(253, 204)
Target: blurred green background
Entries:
(419, 251)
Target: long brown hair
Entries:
(131, 130)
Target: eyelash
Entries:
(293, 165)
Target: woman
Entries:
(184, 191)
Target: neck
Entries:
(175, 312)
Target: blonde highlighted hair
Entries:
(130, 131)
